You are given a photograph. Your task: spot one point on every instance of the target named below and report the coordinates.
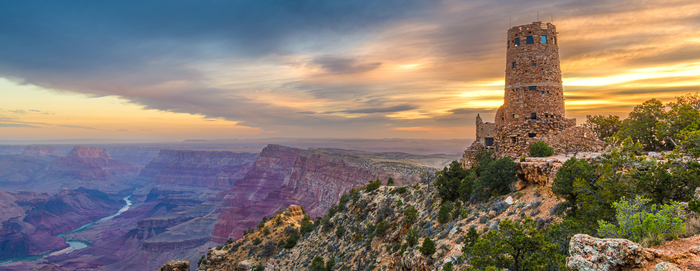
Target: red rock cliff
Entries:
(197, 167)
(316, 181)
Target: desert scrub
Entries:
(541, 149)
(646, 225)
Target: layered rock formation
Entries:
(316, 180)
(197, 167)
(41, 152)
(30, 221)
(136, 154)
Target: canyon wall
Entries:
(316, 181)
(30, 221)
(197, 167)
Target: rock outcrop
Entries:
(176, 265)
(198, 168)
(590, 253)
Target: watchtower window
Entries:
(517, 41)
(543, 39)
(531, 135)
(530, 40)
(533, 88)
(514, 65)
(515, 116)
(534, 64)
(489, 141)
(541, 92)
(533, 116)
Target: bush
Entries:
(410, 216)
(411, 238)
(694, 205)
(306, 225)
(469, 241)
(390, 182)
(449, 181)
(257, 241)
(541, 149)
(339, 231)
(563, 185)
(292, 240)
(516, 246)
(443, 215)
(396, 247)
(636, 222)
(522, 159)
(317, 264)
(498, 176)
(428, 247)
(371, 186)
(399, 204)
(258, 268)
(330, 264)
(401, 190)
(448, 266)
(382, 227)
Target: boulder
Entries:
(590, 253)
(176, 265)
(664, 266)
(509, 200)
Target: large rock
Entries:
(176, 265)
(590, 253)
(537, 171)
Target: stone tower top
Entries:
(533, 77)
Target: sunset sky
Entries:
(175, 70)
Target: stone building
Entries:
(533, 103)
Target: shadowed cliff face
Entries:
(30, 221)
(316, 181)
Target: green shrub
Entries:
(694, 205)
(448, 266)
(399, 204)
(382, 227)
(636, 221)
(371, 186)
(306, 225)
(317, 264)
(443, 215)
(410, 216)
(401, 190)
(516, 246)
(541, 149)
(257, 241)
(498, 177)
(339, 231)
(449, 181)
(469, 241)
(522, 159)
(291, 240)
(563, 185)
(428, 247)
(266, 232)
(411, 238)
(258, 268)
(396, 247)
(390, 182)
(330, 264)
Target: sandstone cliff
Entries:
(196, 167)
(316, 180)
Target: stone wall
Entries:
(533, 74)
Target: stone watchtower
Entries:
(533, 102)
(533, 76)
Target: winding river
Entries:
(74, 244)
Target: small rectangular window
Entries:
(513, 65)
(547, 91)
(533, 116)
(515, 116)
(541, 92)
(514, 139)
(517, 41)
(543, 39)
(530, 40)
(531, 135)
(534, 64)
(533, 88)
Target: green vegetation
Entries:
(340, 231)
(428, 247)
(373, 185)
(411, 238)
(604, 127)
(449, 181)
(443, 215)
(516, 246)
(635, 221)
(410, 216)
(381, 228)
(317, 264)
(563, 185)
(390, 182)
(541, 149)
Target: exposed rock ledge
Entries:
(590, 253)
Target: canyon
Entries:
(187, 200)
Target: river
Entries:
(74, 244)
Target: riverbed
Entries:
(74, 244)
